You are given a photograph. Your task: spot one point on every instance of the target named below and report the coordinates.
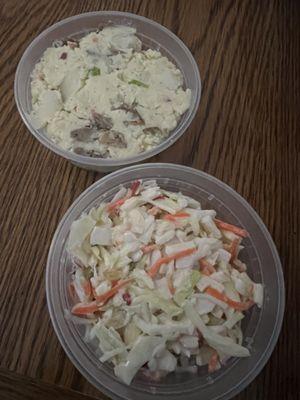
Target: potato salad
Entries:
(106, 96)
(159, 284)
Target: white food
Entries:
(103, 96)
(158, 296)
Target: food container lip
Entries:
(255, 370)
(187, 118)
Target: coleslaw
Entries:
(158, 283)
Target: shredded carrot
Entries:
(103, 298)
(72, 291)
(206, 267)
(213, 362)
(112, 206)
(134, 187)
(231, 228)
(251, 290)
(154, 210)
(170, 284)
(94, 292)
(87, 288)
(85, 308)
(164, 260)
(174, 217)
(115, 204)
(237, 305)
(160, 197)
(234, 248)
(148, 248)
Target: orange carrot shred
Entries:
(154, 210)
(174, 217)
(134, 187)
(237, 305)
(231, 228)
(148, 248)
(160, 197)
(72, 291)
(115, 204)
(213, 362)
(85, 308)
(103, 298)
(234, 248)
(87, 288)
(170, 284)
(94, 292)
(206, 267)
(164, 260)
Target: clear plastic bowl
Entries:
(261, 327)
(152, 35)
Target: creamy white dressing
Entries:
(103, 96)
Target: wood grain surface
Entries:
(246, 133)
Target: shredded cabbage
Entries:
(156, 301)
(170, 329)
(187, 286)
(157, 285)
(142, 351)
(223, 344)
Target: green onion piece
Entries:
(95, 71)
(138, 83)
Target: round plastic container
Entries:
(152, 35)
(261, 327)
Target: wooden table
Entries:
(246, 133)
